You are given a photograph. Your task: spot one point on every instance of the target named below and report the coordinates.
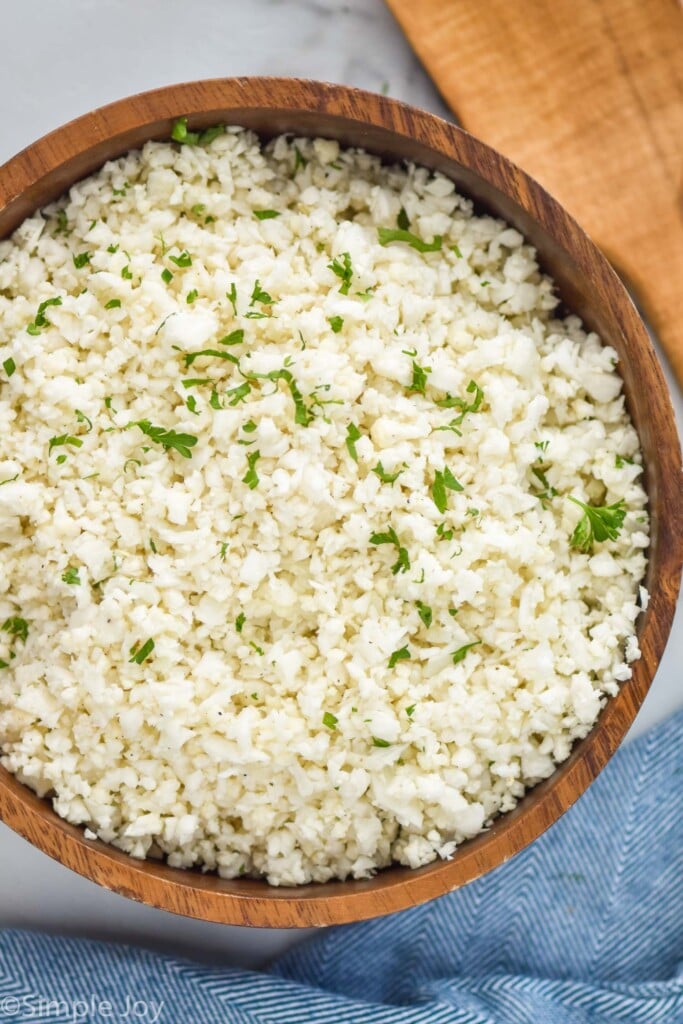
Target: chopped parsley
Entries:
(461, 652)
(215, 401)
(234, 338)
(456, 250)
(112, 248)
(40, 320)
(299, 159)
(266, 214)
(548, 492)
(239, 393)
(390, 537)
(386, 478)
(462, 404)
(180, 133)
(259, 650)
(353, 434)
(541, 446)
(425, 613)
(598, 523)
(113, 304)
(330, 720)
(71, 577)
(249, 427)
(190, 357)
(302, 414)
(444, 481)
(9, 366)
(402, 220)
(17, 627)
(343, 268)
(166, 275)
(241, 618)
(336, 323)
(183, 260)
(231, 296)
(81, 259)
(401, 655)
(377, 742)
(140, 654)
(410, 710)
(127, 273)
(443, 532)
(168, 439)
(619, 462)
(191, 296)
(419, 379)
(61, 441)
(82, 418)
(251, 477)
(259, 295)
(388, 235)
(191, 403)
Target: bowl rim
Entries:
(47, 167)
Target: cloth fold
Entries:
(583, 927)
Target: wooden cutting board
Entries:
(587, 96)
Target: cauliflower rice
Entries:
(306, 602)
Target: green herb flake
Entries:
(418, 382)
(401, 655)
(619, 462)
(81, 259)
(251, 477)
(241, 618)
(353, 434)
(402, 221)
(410, 710)
(443, 532)
(140, 654)
(390, 537)
(82, 418)
(388, 235)
(598, 523)
(191, 357)
(64, 439)
(40, 320)
(461, 652)
(386, 478)
(330, 720)
(191, 403)
(377, 742)
(191, 296)
(266, 214)
(456, 250)
(249, 427)
(71, 577)
(239, 393)
(112, 248)
(127, 273)
(166, 275)
(231, 296)
(259, 650)
(541, 446)
(215, 401)
(9, 366)
(259, 295)
(343, 268)
(299, 159)
(113, 304)
(168, 439)
(183, 260)
(234, 338)
(179, 133)
(425, 613)
(444, 481)
(17, 627)
(336, 323)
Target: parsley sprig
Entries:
(598, 523)
(444, 481)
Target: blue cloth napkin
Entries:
(584, 926)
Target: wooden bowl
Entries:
(587, 284)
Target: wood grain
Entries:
(588, 285)
(587, 96)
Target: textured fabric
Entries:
(585, 927)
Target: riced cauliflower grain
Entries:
(287, 580)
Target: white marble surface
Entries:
(68, 56)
